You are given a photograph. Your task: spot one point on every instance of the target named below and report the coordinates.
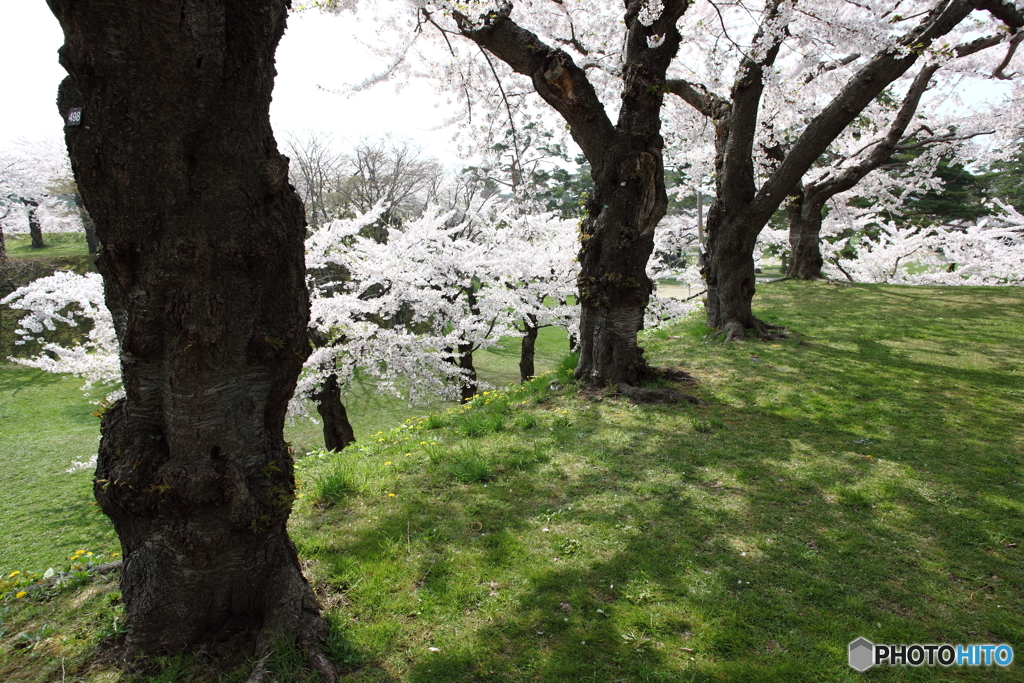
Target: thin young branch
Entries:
(824, 67)
(1014, 42)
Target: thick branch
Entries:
(735, 165)
(1003, 10)
(556, 77)
(869, 82)
(882, 150)
(709, 104)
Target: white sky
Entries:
(316, 50)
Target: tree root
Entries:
(648, 395)
(735, 331)
(316, 660)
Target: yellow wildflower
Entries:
(21, 594)
(14, 573)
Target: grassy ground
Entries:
(58, 244)
(862, 478)
(46, 422)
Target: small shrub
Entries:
(479, 422)
(522, 458)
(567, 366)
(702, 426)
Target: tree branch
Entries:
(556, 77)
(866, 85)
(700, 98)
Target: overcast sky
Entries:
(316, 51)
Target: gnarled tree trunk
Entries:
(35, 230)
(730, 274)
(203, 270)
(805, 259)
(626, 158)
(618, 238)
(338, 431)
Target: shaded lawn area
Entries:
(862, 478)
(46, 422)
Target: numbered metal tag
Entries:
(75, 116)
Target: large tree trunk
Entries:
(338, 431)
(35, 230)
(526, 366)
(202, 263)
(618, 238)
(626, 158)
(729, 272)
(804, 238)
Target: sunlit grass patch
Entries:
(853, 480)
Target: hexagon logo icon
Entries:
(862, 653)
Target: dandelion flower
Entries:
(387, 463)
(21, 594)
(14, 573)
(391, 495)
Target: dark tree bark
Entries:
(526, 366)
(741, 210)
(469, 387)
(626, 161)
(202, 262)
(35, 230)
(804, 218)
(91, 241)
(338, 431)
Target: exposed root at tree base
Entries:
(648, 395)
(734, 331)
(315, 659)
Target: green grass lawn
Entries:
(861, 478)
(57, 244)
(46, 422)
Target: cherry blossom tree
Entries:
(36, 191)
(776, 55)
(988, 252)
(846, 170)
(601, 70)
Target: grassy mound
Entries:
(861, 478)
